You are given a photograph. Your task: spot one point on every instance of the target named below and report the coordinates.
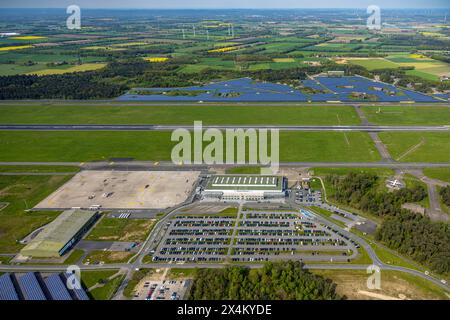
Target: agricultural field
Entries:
(178, 50)
(423, 66)
(371, 63)
(79, 68)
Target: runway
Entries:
(151, 127)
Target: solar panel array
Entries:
(57, 288)
(31, 287)
(79, 294)
(7, 290)
(325, 88)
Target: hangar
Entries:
(245, 187)
(60, 235)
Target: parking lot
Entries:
(252, 236)
(151, 288)
(307, 196)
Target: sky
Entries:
(181, 4)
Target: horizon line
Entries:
(231, 8)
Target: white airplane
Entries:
(395, 183)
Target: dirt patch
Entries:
(140, 233)
(353, 285)
(96, 257)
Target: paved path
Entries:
(361, 115)
(435, 212)
(381, 147)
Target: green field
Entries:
(244, 170)
(381, 172)
(418, 146)
(221, 114)
(74, 257)
(83, 146)
(100, 257)
(91, 278)
(407, 115)
(112, 229)
(39, 169)
(107, 291)
(375, 63)
(21, 193)
(107, 282)
(77, 68)
(438, 173)
(424, 67)
(422, 74)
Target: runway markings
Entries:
(412, 149)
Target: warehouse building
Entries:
(60, 235)
(245, 187)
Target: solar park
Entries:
(319, 89)
(33, 286)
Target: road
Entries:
(434, 212)
(137, 260)
(48, 102)
(154, 236)
(61, 268)
(152, 127)
(167, 165)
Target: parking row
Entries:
(203, 223)
(290, 241)
(197, 241)
(280, 216)
(200, 232)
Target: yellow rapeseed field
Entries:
(28, 38)
(11, 48)
(156, 59)
(225, 49)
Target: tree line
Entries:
(416, 236)
(275, 281)
(410, 233)
(358, 190)
(445, 194)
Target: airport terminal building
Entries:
(245, 187)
